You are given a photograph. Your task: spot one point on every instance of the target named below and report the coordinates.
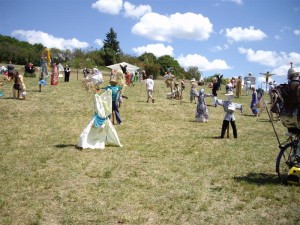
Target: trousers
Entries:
(225, 126)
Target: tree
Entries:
(111, 48)
(193, 72)
(148, 58)
(169, 63)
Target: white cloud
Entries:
(277, 37)
(239, 2)
(157, 50)
(245, 34)
(164, 28)
(112, 7)
(297, 32)
(219, 48)
(202, 63)
(99, 42)
(48, 40)
(278, 61)
(136, 12)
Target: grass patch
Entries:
(170, 170)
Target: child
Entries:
(150, 88)
(115, 105)
(19, 88)
(254, 101)
(193, 90)
(202, 111)
(229, 107)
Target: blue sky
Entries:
(231, 37)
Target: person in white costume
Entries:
(100, 131)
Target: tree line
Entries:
(21, 53)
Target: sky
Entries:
(229, 37)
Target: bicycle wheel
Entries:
(285, 161)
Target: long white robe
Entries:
(97, 138)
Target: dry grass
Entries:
(170, 170)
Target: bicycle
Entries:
(288, 161)
(288, 158)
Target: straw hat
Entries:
(113, 82)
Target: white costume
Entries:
(100, 131)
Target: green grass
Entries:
(170, 169)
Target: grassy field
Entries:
(170, 169)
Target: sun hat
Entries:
(229, 93)
(193, 80)
(113, 82)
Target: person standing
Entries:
(201, 110)
(193, 90)
(238, 90)
(150, 88)
(116, 91)
(67, 73)
(254, 101)
(215, 90)
(54, 74)
(10, 70)
(229, 108)
(19, 88)
(248, 85)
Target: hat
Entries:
(97, 79)
(229, 93)
(193, 80)
(113, 82)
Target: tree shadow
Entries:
(259, 179)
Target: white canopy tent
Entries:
(131, 68)
(61, 70)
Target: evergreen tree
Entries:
(111, 48)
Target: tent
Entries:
(61, 70)
(131, 68)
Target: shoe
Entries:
(153, 100)
(218, 137)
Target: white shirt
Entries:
(149, 84)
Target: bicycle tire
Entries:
(284, 162)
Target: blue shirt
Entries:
(115, 90)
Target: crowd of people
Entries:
(100, 130)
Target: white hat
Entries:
(193, 80)
(97, 79)
(229, 93)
